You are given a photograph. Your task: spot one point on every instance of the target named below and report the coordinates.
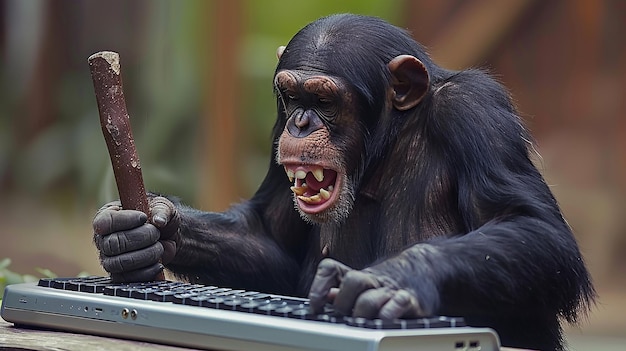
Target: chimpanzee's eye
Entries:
(292, 96)
(324, 101)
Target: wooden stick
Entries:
(115, 123)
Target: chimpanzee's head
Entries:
(343, 83)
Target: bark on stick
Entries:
(115, 123)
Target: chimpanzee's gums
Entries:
(396, 188)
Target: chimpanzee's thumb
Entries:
(164, 216)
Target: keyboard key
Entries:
(249, 306)
(96, 285)
(60, 283)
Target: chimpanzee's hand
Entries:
(369, 293)
(133, 248)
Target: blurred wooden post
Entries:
(220, 127)
(472, 33)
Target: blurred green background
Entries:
(198, 84)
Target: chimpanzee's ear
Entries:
(410, 81)
(279, 51)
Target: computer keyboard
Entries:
(214, 317)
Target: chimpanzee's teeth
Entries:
(300, 174)
(315, 199)
(318, 173)
(291, 175)
(298, 190)
(323, 194)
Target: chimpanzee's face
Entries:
(320, 143)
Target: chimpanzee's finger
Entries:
(139, 275)
(169, 251)
(129, 240)
(164, 216)
(329, 274)
(113, 220)
(353, 284)
(369, 303)
(113, 205)
(401, 305)
(133, 260)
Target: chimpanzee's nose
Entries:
(303, 122)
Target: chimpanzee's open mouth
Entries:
(314, 187)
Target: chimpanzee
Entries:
(396, 188)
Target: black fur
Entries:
(448, 186)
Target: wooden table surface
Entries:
(23, 339)
(18, 338)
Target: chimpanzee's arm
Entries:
(516, 275)
(246, 246)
